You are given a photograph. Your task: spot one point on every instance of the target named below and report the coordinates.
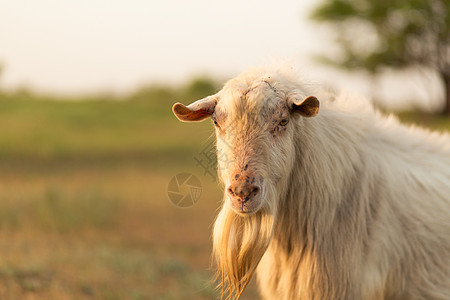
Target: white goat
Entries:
(346, 205)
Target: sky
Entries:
(79, 46)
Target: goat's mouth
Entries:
(245, 207)
(244, 192)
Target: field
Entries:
(84, 208)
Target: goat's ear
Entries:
(307, 107)
(197, 111)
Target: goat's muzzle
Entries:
(243, 193)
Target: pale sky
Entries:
(80, 46)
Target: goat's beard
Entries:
(239, 243)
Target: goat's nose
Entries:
(243, 191)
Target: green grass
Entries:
(50, 129)
(84, 212)
(42, 133)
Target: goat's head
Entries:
(255, 120)
(255, 124)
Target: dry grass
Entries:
(103, 234)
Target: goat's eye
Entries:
(283, 122)
(216, 124)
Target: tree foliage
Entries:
(397, 33)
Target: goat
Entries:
(341, 204)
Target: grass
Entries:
(84, 212)
(102, 233)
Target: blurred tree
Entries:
(164, 95)
(154, 93)
(200, 87)
(396, 33)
